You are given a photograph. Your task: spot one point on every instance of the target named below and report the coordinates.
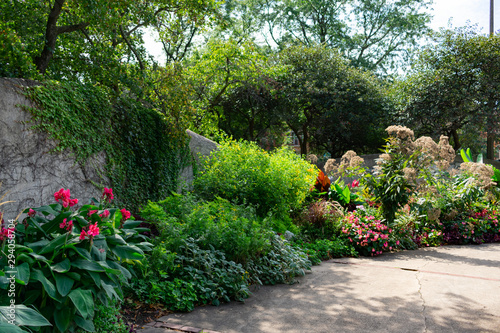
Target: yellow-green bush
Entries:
(246, 174)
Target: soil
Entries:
(136, 314)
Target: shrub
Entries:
(480, 227)
(324, 249)
(368, 235)
(67, 260)
(245, 174)
(235, 230)
(280, 265)
(321, 219)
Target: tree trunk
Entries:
(456, 140)
(51, 33)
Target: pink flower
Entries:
(108, 194)
(385, 244)
(31, 213)
(104, 214)
(83, 234)
(93, 230)
(64, 196)
(397, 242)
(125, 213)
(91, 212)
(67, 225)
(355, 183)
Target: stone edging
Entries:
(181, 328)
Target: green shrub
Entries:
(324, 249)
(245, 174)
(280, 265)
(235, 230)
(109, 319)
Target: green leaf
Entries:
(55, 243)
(128, 252)
(131, 224)
(83, 301)
(125, 272)
(63, 283)
(115, 240)
(63, 318)
(87, 325)
(24, 316)
(23, 273)
(82, 252)
(37, 275)
(75, 276)
(87, 265)
(61, 267)
(9, 328)
(25, 258)
(110, 291)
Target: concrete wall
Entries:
(30, 173)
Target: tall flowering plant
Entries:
(368, 235)
(66, 259)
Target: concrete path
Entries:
(445, 289)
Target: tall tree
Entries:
(455, 82)
(328, 104)
(371, 33)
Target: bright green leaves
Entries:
(23, 316)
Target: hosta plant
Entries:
(68, 259)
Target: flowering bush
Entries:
(66, 260)
(369, 236)
(479, 227)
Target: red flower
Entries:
(93, 230)
(104, 214)
(83, 234)
(68, 225)
(108, 194)
(64, 196)
(125, 213)
(31, 213)
(355, 183)
(91, 212)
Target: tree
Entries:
(328, 104)
(91, 40)
(455, 83)
(370, 33)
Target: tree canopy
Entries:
(454, 83)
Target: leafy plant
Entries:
(368, 236)
(245, 174)
(66, 260)
(324, 249)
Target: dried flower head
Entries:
(400, 132)
(433, 214)
(330, 166)
(312, 158)
(482, 173)
(410, 175)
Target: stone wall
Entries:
(30, 173)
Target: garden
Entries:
(253, 217)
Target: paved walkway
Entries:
(445, 289)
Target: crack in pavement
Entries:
(423, 300)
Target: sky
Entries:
(460, 11)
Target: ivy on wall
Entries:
(145, 155)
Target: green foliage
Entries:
(67, 260)
(109, 319)
(144, 153)
(329, 104)
(14, 60)
(245, 174)
(367, 234)
(234, 230)
(453, 86)
(280, 265)
(371, 33)
(324, 249)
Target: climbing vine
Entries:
(145, 154)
